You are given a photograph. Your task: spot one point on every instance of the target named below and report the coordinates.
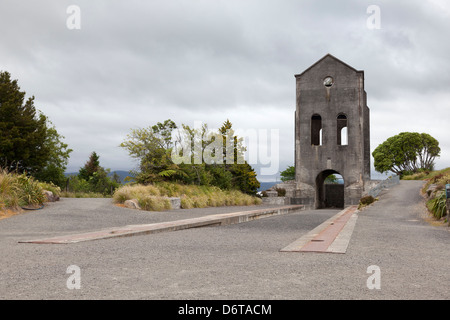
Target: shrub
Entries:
(19, 190)
(192, 196)
(186, 202)
(8, 190)
(29, 192)
(154, 203)
(365, 201)
(437, 205)
(281, 192)
(415, 176)
(49, 186)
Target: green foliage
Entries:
(244, 178)
(90, 167)
(281, 192)
(8, 190)
(288, 174)
(437, 205)
(92, 180)
(154, 197)
(365, 201)
(28, 141)
(49, 186)
(406, 153)
(331, 179)
(19, 190)
(29, 191)
(206, 163)
(59, 153)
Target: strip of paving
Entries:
(209, 220)
(331, 236)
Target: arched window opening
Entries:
(316, 130)
(342, 130)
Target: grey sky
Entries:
(135, 63)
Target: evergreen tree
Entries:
(28, 142)
(96, 177)
(90, 167)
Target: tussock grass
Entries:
(436, 202)
(20, 190)
(155, 197)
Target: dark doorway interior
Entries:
(329, 190)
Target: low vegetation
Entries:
(19, 191)
(366, 201)
(154, 197)
(191, 156)
(92, 181)
(434, 189)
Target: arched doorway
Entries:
(329, 190)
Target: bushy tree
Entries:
(90, 167)
(288, 174)
(56, 165)
(28, 141)
(204, 164)
(94, 178)
(407, 152)
(152, 147)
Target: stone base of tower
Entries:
(334, 196)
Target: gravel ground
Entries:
(231, 262)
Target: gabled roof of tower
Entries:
(332, 57)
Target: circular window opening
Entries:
(328, 82)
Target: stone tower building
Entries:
(332, 134)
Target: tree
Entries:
(243, 175)
(407, 152)
(331, 179)
(152, 146)
(207, 158)
(288, 174)
(28, 141)
(90, 167)
(94, 178)
(244, 178)
(56, 166)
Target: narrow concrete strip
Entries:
(341, 242)
(327, 236)
(208, 220)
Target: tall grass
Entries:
(436, 204)
(8, 191)
(21, 190)
(155, 197)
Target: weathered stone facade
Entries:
(332, 133)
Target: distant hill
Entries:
(121, 173)
(267, 185)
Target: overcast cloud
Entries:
(135, 63)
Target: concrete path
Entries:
(391, 247)
(332, 236)
(207, 220)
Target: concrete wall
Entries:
(346, 97)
